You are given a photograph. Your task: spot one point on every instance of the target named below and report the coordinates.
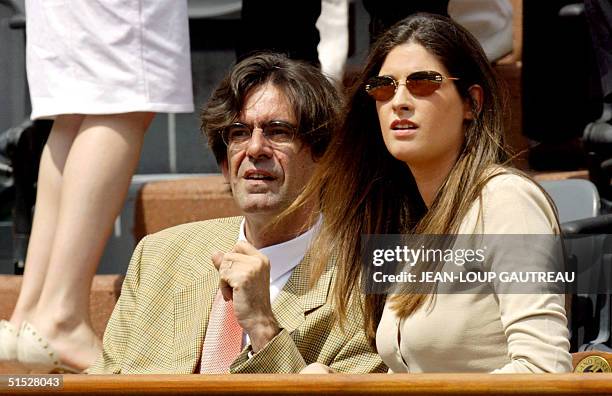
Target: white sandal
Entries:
(35, 352)
(8, 341)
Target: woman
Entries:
(100, 69)
(421, 151)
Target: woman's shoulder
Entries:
(504, 184)
(512, 203)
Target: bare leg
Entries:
(52, 162)
(95, 182)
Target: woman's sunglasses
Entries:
(421, 83)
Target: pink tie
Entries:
(223, 341)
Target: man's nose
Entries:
(258, 146)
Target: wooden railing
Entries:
(337, 384)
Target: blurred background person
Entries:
(101, 69)
(490, 21)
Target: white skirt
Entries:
(108, 56)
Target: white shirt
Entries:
(284, 257)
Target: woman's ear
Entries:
(473, 104)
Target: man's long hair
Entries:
(314, 100)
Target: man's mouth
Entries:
(258, 175)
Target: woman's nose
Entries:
(402, 100)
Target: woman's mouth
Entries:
(403, 125)
(403, 128)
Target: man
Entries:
(196, 293)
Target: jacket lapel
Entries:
(193, 302)
(296, 299)
(192, 305)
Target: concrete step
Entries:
(120, 244)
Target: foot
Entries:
(75, 344)
(21, 314)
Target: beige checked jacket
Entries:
(160, 320)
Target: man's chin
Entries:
(261, 207)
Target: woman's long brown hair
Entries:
(362, 189)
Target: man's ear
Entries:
(473, 104)
(225, 170)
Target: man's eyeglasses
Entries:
(421, 83)
(238, 134)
